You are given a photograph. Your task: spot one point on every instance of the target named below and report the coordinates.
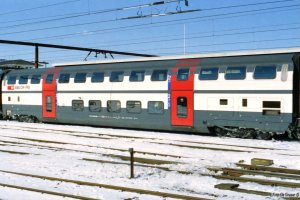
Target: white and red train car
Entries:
(241, 94)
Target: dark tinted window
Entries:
(80, 78)
(113, 106)
(116, 76)
(134, 106)
(209, 74)
(136, 76)
(49, 78)
(95, 105)
(182, 110)
(64, 78)
(159, 75)
(156, 107)
(48, 103)
(11, 80)
(77, 105)
(23, 79)
(35, 79)
(97, 77)
(183, 74)
(264, 72)
(235, 73)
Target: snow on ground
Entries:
(73, 143)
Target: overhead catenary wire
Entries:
(113, 20)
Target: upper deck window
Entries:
(159, 75)
(97, 77)
(209, 74)
(11, 80)
(35, 79)
(265, 72)
(23, 79)
(137, 76)
(183, 74)
(116, 76)
(80, 78)
(235, 73)
(64, 78)
(49, 78)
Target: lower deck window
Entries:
(155, 107)
(77, 105)
(94, 105)
(271, 108)
(114, 106)
(134, 107)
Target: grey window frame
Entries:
(11, 80)
(154, 74)
(259, 75)
(134, 107)
(97, 107)
(209, 78)
(35, 79)
(95, 79)
(133, 74)
(153, 109)
(80, 77)
(77, 105)
(23, 79)
(64, 78)
(111, 103)
(118, 74)
(229, 76)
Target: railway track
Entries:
(187, 144)
(100, 185)
(266, 177)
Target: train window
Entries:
(48, 103)
(235, 73)
(116, 76)
(23, 79)
(49, 78)
(181, 107)
(264, 72)
(97, 77)
(9, 99)
(159, 75)
(209, 74)
(271, 104)
(11, 80)
(137, 76)
(64, 78)
(223, 102)
(35, 79)
(80, 78)
(134, 106)
(77, 105)
(114, 106)
(155, 107)
(183, 74)
(244, 102)
(95, 105)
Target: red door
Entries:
(49, 93)
(182, 93)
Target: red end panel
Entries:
(49, 94)
(176, 118)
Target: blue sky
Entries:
(219, 26)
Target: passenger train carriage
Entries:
(241, 94)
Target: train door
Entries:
(49, 93)
(182, 93)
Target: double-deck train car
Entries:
(242, 94)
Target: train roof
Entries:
(208, 55)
